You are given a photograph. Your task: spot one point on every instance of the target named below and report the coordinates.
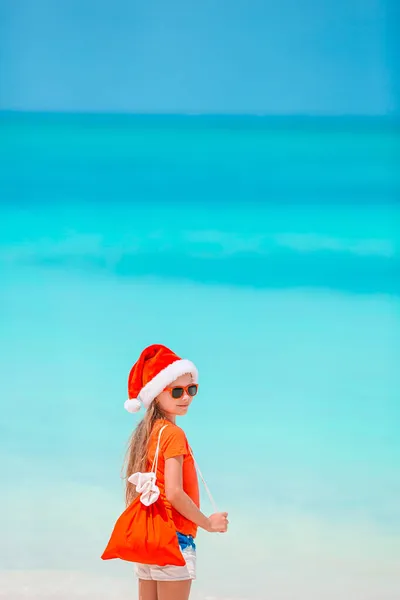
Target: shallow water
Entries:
(267, 251)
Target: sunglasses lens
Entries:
(177, 392)
(192, 389)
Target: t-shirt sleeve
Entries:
(174, 443)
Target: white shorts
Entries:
(172, 572)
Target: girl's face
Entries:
(172, 406)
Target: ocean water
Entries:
(267, 251)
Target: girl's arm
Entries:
(185, 505)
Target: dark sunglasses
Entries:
(178, 391)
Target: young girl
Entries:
(165, 385)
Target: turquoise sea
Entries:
(267, 250)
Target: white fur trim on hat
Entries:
(156, 385)
(132, 405)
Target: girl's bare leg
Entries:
(147, 590)
(173, 590)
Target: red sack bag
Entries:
(145, 533)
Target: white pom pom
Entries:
(133, 405)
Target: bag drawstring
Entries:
(213, 503)
(155, 465)
(155, 461)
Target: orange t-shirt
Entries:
(174, 443)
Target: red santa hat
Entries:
(156, 368)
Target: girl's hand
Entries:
(218, 523)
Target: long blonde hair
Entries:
(136, 454)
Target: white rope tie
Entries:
(213, 503)
(155, 465)
(155, 461)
